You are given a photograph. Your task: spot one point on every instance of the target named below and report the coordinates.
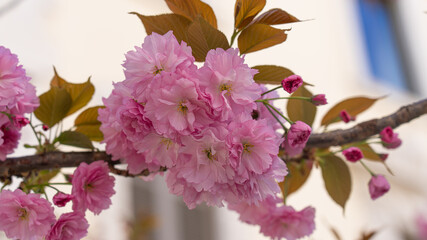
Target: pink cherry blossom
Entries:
(228, 83)
(296, 139)
(92, 187)
(319, 99)
(277, 220)
(378, 186)
(158, 54)
(25, 216)
(292, 83)
(70, 226)
(61, 199)
(421, 225)
(353, 154)
(175, 107)
(9, 137)
(389, 138)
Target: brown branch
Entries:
(20, 165)
(369, 128)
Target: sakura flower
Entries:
(70, 226)
(158, 54)
(292, 83)
(9, 137)
(297, 137)
(92, 187)
(174, 106)
(353, 154)
(389, 138)
(228, 83)
(61, 199)
(378, 186)
(25, 216)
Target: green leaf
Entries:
(336, 176)
(301, 110)
(88, 124)
(353, 106)
(164, 23)
(191, 9)
(38, 178)
(259, 36)
(275, 16)
(202, 37)
(245, 11)
(54, 106)
(270, 74)
(81, 93)
(75, 139)
(297, 175)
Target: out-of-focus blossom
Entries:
(346, 117)
(319, 99)
(378, 186)
(353, 154)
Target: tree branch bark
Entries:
(369, 128)
(18, 166)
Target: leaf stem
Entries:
(278, 112)
(271, 90)
(283, 126)
(367, 168)
(233, 37)
(297, 97)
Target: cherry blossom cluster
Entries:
(28, 216)
(17, 97)
(201, 123)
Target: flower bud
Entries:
(291, 83)
(319, 99)
(346, 117)
(389, 138)
(378, 186)
(353, 154)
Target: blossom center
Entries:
(22, 213)
(167, 142)
(182, 108)
(209, 154)
(225, 87)
(158, 70)
(247, 147)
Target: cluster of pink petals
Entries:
(17, 97)
(378, 186)
(389, 138)
(92, 187)
(25, 216)
(353, 154)
(61, 199)
(194, 121)
(277, 220)
(296, 139)
(421, 225)
(70, 226)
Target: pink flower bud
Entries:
(345, 117)
(296, 138)
(45, 127)
(383, 156)
(353, 154)
(20, 121)
(319, 99)
(389, 138)
(61, 199)
(291, 83)
(378, 186)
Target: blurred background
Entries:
(345, 48)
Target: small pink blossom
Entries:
(346, 117)
(378, 186)
(92, 187)
(292, 83)
(297, 137)
(61, 199)
(319, 99)
(389, 138)
(353, 154)
(70, 226)
(25, 216)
